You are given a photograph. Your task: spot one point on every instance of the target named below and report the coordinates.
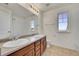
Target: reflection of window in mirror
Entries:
(63, 22)
(32, 25)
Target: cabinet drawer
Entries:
(23, 51)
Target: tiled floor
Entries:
(59, 51)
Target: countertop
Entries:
(9, 50)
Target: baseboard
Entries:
(65, 48)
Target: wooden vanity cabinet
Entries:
(35, 49)
(28, 50)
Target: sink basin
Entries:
(36, 37)
(32, 39)
(16, 43)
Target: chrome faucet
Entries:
(15, 38)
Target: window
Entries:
(32, 25)
(63, 21)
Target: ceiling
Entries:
(21, 11)
(17, 9)
(47, 6)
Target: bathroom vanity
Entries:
(35, 48)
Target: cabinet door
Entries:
(38, 53)
(37, 48)
(30, 53)
(43, 44)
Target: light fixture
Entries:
(34, 8)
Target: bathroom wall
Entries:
(67, 39)
(16, 23)
(5, 16)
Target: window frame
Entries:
(67, 30)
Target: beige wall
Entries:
(69, 39)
